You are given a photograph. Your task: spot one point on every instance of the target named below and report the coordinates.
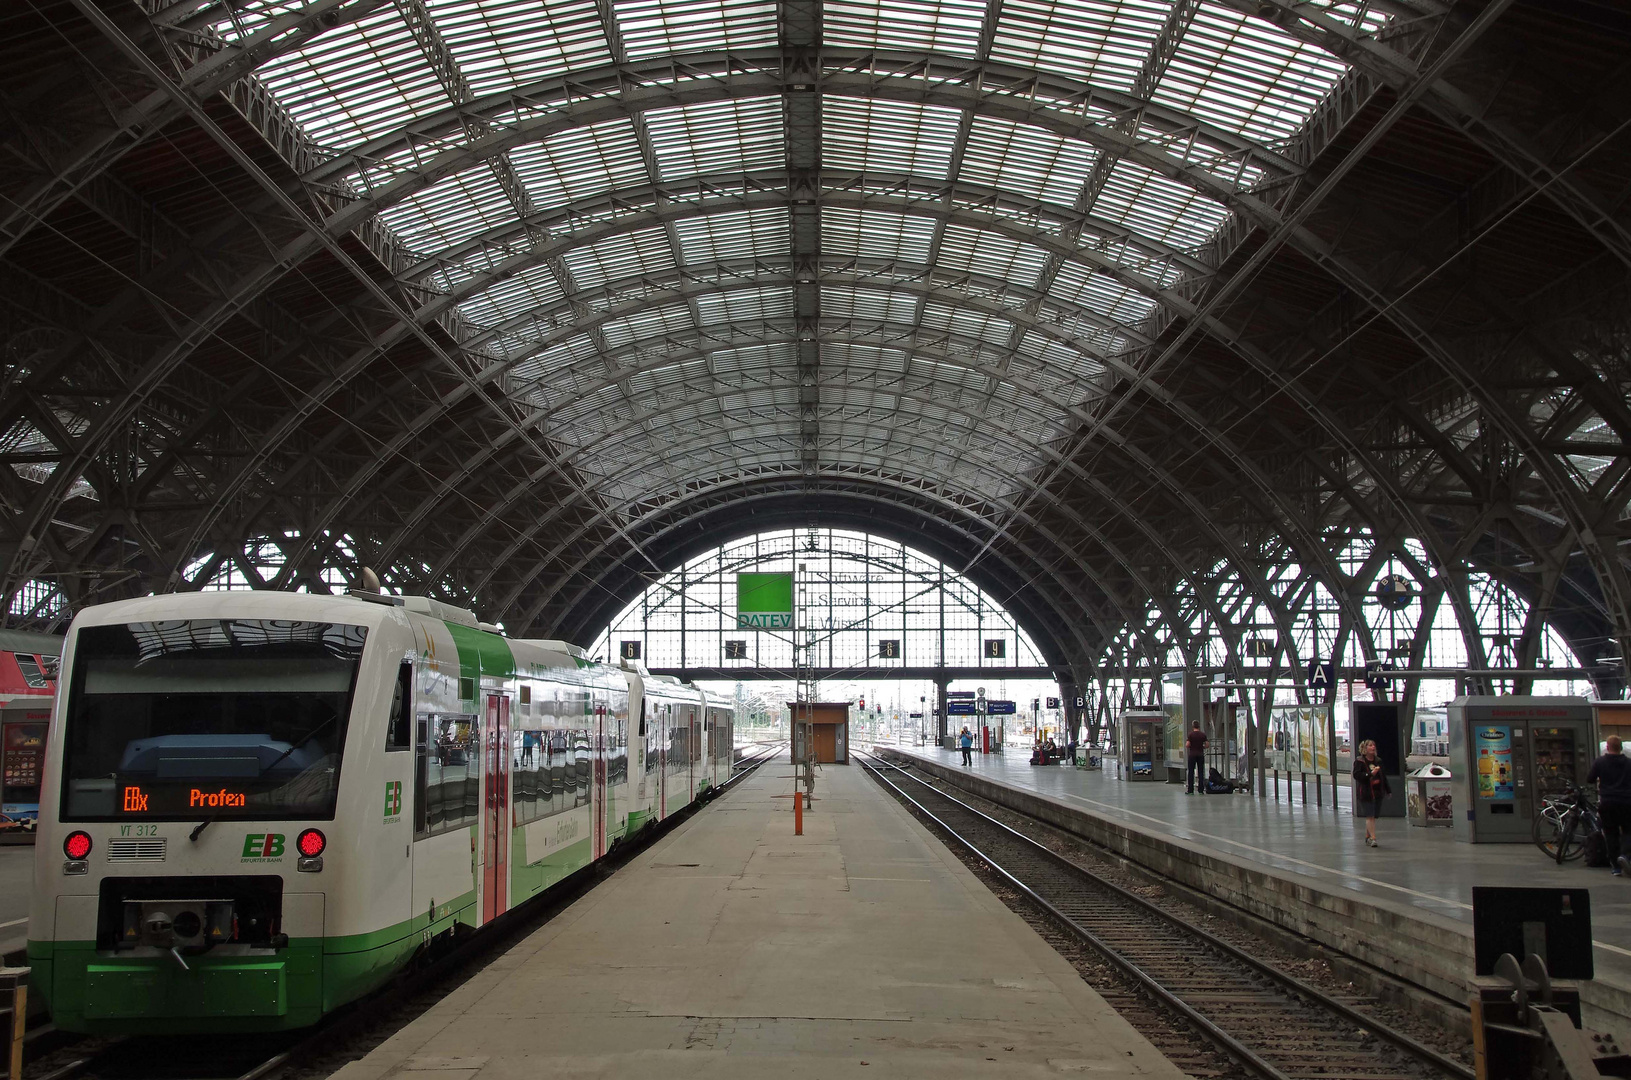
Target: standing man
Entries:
(966, 742)
(1612, 773)
(1195, 773)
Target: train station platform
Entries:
(16, 883)
(1404, 907)
(733, 948)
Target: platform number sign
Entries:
(1322, 675)
(629, 650)
(1053, 703)
(889, 648)
(736, 650)
(1376, 674)
(995, 648)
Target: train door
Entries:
(696, 747)
(597, 804)
(664, 716)
(496, 821)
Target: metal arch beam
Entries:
(874, 488)
(294, 255)
(669, 359)
(1184, 307)
(1454, 108)
(1152, 535)
(771, 508)
(228, 62)
(1264, 483)
(1165, 479)
(310, 230)
(556, 220)
(667, 81)
(1196, 421)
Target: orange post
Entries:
(798, 811)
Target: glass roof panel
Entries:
(647, 323)
(584, 161)
(1158, 208)
(745, 305)
(751, 234)
(503, 43)
(618, 257)
(942, 26)
(658, 27)
(1026, 160)
(1241, 74)
(723, 136)
(872, 305)
(876, 233)
(513, 296)
(1103, 42)
(456, 209)
(1101, 293)
(982, 252)
(887, 136)
(356, 81)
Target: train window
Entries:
(399, 725)
(447, 773)
(642, 716)
(467, 689)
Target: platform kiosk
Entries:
(1142, 732)
(1508, 753)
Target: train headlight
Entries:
(310, 844)
(77, 847)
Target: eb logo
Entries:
(263, 846)
(393, 798)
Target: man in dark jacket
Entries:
(1612, 774)
(1195, 774)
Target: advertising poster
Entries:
(1494, 745)
(1305, 740)
(1322, 741)
(1174, 735)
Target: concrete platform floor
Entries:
(16, 884)
(1418, 867)
(733, 948)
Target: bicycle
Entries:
(1563, 823)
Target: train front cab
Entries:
(166, 900)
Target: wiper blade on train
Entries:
(198, 830)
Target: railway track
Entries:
(263, 1057)
(1212, 1007)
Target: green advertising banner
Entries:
(764, 601)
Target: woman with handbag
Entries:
(1370, 784)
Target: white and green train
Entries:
(260, 806)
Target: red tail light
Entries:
(77, 846)
(311, 843)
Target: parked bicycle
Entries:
(1564, 822)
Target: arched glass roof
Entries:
(905, 239)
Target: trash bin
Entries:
(1427, 796)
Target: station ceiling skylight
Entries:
(1002, 192)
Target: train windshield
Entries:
(217, 718)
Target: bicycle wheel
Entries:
(1571, 838)
(1545, 832)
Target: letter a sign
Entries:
(1321, 675)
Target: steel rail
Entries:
(1289, 982)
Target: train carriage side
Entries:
(575, 789)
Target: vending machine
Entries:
(1507, 754)
(1141, 744)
